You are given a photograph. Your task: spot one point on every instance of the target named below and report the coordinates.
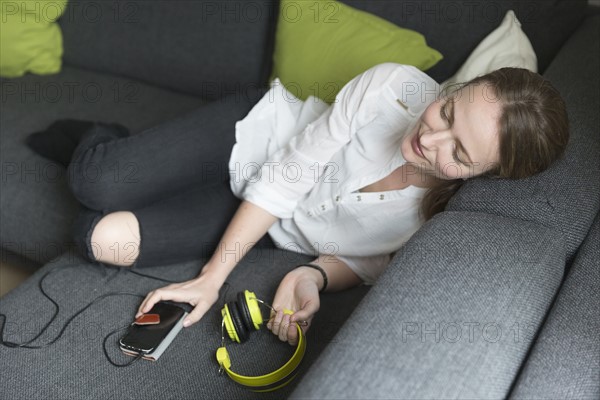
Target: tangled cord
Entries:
(26, 345)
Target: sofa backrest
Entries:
(455, 28)
(209, 48)
(565, 197)
(206, 48)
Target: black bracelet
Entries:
(321, 270)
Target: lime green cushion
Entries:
(30, 40)
(321, 45)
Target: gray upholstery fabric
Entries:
(206, 48)
(75, 367)
(565, 197)
(485, 274)
(455, 28)
(35, 204)
(565, 361)
(452, 317)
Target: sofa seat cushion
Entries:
(75, 367)
(36, 205)
(566, 196)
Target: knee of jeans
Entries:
(89, 187)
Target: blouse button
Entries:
(337, 198)
(309, 214)
(380, 197)
(323, 207)
(358, 198)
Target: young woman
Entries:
(348, 182)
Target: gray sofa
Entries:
(495, 297)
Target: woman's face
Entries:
(457, 136)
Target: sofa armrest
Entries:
(565, 361)
(453, 316)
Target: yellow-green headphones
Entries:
(239, 319)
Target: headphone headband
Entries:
(261, 383)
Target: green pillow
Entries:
(30, 40)
(320, 45)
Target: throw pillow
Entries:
(30, 40)
(506, 46)
(320, 45)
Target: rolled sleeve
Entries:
(368, 269)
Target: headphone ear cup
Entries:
(252, 304)
(244, 312)
(238, 325)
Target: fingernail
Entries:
(186, 323)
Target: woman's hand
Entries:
(298, 292)
(247, 226)
(201, 292)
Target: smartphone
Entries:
(146, 338)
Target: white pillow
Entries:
(506, 46)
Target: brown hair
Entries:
(533, 130)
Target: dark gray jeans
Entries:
(174, 178)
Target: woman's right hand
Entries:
(201, 292)
(299, 293)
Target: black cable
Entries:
(106, 352)
(27, 345)
(56, 310)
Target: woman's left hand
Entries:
(298, 292)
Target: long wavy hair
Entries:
(533, 130)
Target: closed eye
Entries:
(455, 156)
(448, 117)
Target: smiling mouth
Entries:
(416, 145)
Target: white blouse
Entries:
(304, 162)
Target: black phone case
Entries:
(145, 338)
